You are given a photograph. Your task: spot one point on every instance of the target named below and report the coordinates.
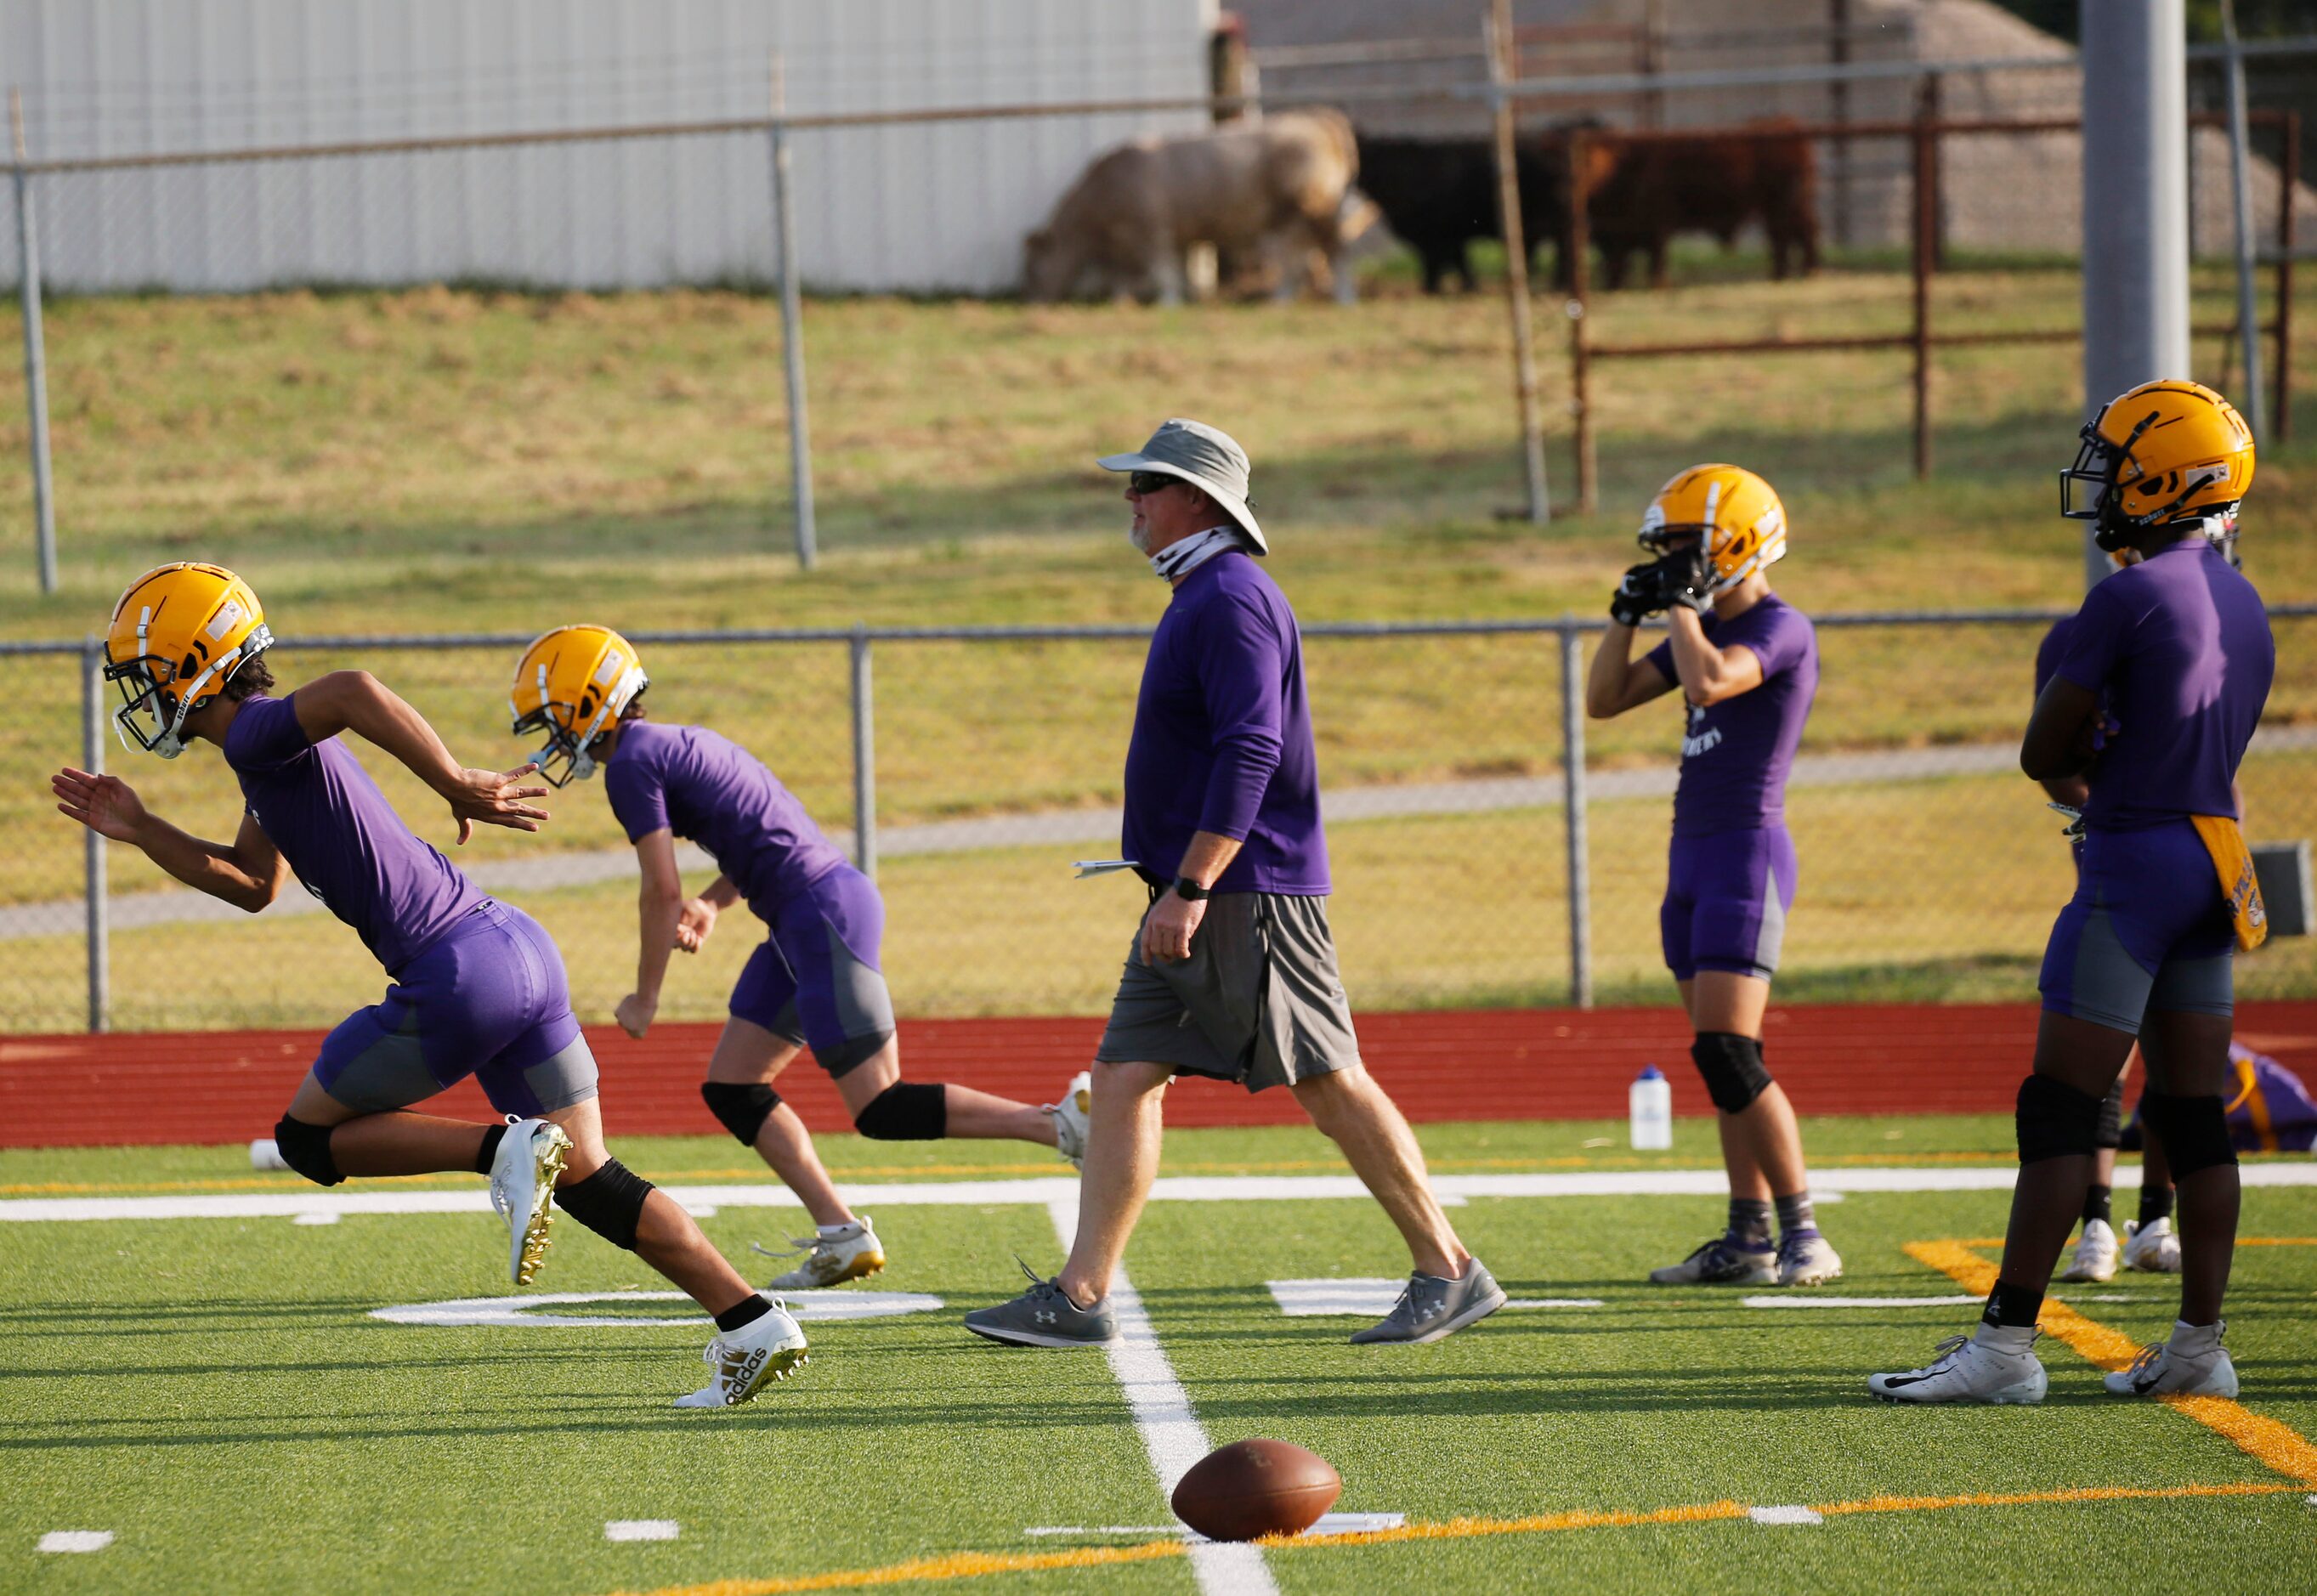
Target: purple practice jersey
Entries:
(316, 803)
(709, 789)
(1735, 754)
(1222, 737)
(2179, 649)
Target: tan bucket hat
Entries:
(1206, 456)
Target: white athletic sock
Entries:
(2010, 1339)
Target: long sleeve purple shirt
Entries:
(1222, 737)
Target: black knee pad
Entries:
(2056, 1120)
(1732, 1067)
(2194, 1130)
(306, 1148)
(743, 1110)
(2109, 1131)
(906, 1111)
(609, 1202)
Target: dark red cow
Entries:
(1711, 183)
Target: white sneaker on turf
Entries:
(1996, 1365)
(2152, 1248)
(833, 1256)
(769, 1348)
(1070, 1117)
(2192, 1363)
(1806, 1258)
(2097, 1254)
(522, 1189)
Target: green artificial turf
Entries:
(214, 1392)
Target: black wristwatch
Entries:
(1190, 891)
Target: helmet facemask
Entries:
(569, 754)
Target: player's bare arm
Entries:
(1617, 681)
(359, 702)
(2058, 744)
(659, 910)
(246, 872)
(1173, 919)
(1709, 674)
(699, 919)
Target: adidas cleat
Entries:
(771, 1348)
(2097, 1254)
(523, 1172)
(1722, 1263)
(832, 1257)
(2152, 1248)
(1996, 1365)
(1806, 1258)
(2192, 1363)
(1071, 1116)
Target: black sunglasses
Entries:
(1150, 482)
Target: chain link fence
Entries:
(989, 760)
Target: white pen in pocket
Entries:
(1100, 867)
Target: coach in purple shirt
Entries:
(1233, 973)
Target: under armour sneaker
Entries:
(770, 1348)
(1806, 1258)
(1722, 1261)
(523, 1172)
(836, 1254)
(1070, 1117)
(2152, 1248)
(1997, 1365)
(2192, 1363)
(1045, 1316)
(2097, 1254)
(1430, 1307)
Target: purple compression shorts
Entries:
(815, 980)
(1726, 900)
(2148, 930)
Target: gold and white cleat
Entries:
(1072, 1117)
(832, 1257)
(524, 1174)
(771, 1348)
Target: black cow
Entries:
(1439, 194)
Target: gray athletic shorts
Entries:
(1259, 1001)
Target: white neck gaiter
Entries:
(1180, 559)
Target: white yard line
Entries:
(76, 1540)
(640, 1529)
(1170, 1430)
(1451, 1190)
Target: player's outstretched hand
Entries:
(106, 805)
(691, 928)
(495, 797)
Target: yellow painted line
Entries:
(958, 1565)
(2273, 1445)
(2276, 1241)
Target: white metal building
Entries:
(934, 207)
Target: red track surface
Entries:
(1536, 1064)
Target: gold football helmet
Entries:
(1735, 513)
(177, 636)
(573, 684)
(2162, 451)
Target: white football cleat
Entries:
(2192, 1363)
(2097, 1254)
(769, 1348)
(2152, 1248)
(1994, 1366)
(1070, 1117)
(1806, 1258)
(523, 1172)
(832, 1257)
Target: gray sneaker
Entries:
(1430, 1307)
(1045, 1316)
(1722, 1263)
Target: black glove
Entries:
(1640, 595)
(1685, 577)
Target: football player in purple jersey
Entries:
(1745, 662)
(477, 986)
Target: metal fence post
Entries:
(1926, 197)
(36, 363)
(1577, 269)
(93, 889)
(2289, 184)
(865, 758)
(792, 331)
(1572, 814)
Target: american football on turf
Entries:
(1256, 1487)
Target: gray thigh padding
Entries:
(2056, 1120)
(2194, 1131)
(741, 1109)
(609, 1202)
(306, 1148)
(906, 1111)
(1733, 1067)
